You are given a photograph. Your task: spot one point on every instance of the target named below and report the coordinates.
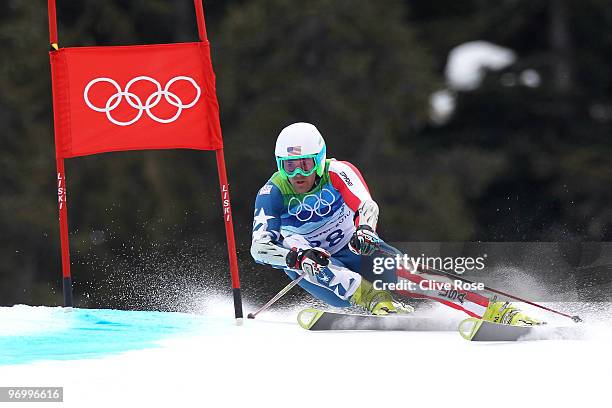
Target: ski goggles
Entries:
(292, 166)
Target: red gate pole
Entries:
(199, 10)
(63, 220)
(229, 232)
(225, 197)
(52, 23)
(61, 183)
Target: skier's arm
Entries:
(265, 245)
(348, 181)
(269, 253)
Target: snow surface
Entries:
(106, 358)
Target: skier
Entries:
(316, 216)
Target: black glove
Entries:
(364, 241)
(311, 260)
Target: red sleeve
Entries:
(347, 179)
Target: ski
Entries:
(315, 320)
(471, 329)
(482, 330)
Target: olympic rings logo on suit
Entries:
(135, 102)
(310, 205)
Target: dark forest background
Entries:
(513, 163)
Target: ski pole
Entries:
(279, 295)
(389, 250)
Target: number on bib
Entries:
(335, 237)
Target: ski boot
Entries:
(506, 313)
(377, 302)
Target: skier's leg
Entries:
(472, 303)
(423, 286)
(365, 266)
(334, 285)
(375, 300)
(340, 286)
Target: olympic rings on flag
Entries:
(135, 102)
(310, 205)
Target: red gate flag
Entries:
(134, 97)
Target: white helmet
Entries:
(296, 145)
